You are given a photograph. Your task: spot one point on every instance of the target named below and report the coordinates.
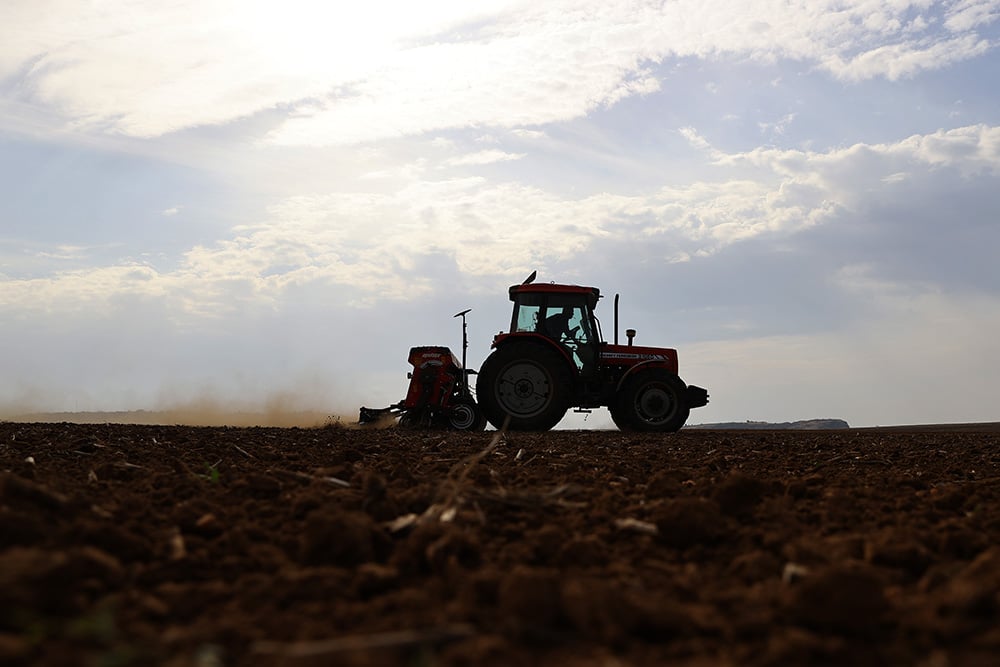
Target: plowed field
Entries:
(147, 545)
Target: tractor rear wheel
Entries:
(652, 401)
(526, 383)
(465, 415)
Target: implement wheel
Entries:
(465, 415)
(526, 382)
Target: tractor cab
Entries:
(563, 314)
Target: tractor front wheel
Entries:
(524, 385)
(652, 401)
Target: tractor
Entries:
(554, 358)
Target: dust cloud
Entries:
(282, 409)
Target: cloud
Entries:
(884, 204)
(483, 157)
(342, 74)
(843, 172)
(779, 127)
(968, 15)
(140, 69)
(906, 58)
(63, 252)
(522, 133)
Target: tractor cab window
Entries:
(570, 326)
(567, 324)
(526, 317)
(563, 318)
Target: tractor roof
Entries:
(592, 293)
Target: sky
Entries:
(263, 203)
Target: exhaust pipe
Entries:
(616, 318)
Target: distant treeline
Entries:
(801, 425)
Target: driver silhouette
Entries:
(557, 326)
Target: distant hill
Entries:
(801, 425)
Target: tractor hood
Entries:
(632, 355)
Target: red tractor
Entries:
(554, 358)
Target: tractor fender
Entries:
(537, 339)
(639, 367)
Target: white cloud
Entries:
(483, 157)
(693, 137)
(375, 243)
(905, 59)
(970, 149)
(63, 252)
(528, 134)
(844, 172)
(969, 14)
(351, 73)
(145, 69)
(778, 127)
